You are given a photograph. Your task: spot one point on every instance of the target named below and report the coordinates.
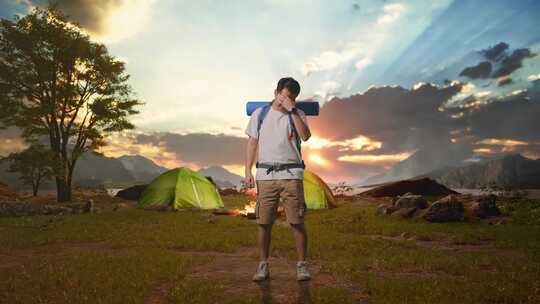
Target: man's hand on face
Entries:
(286, 102)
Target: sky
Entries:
(392, 77)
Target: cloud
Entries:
(496, 52)
(362, 63)
(330, 59)
(533, 77)
(513, 62)
(482, 70)
(511, 117)
(106, 20)
(358, 49)
(499, 61)
(198, 148)
(401, 119)
(505, 80)
(383, 159)
(392, 12)
(328, 90)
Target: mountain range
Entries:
(222, 177)
(93, 170)
(422, 162)
(512, 171)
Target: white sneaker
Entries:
(262, 272)
(302, 273)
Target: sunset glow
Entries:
(319, 160)
(375, 159)
(359, 143)
(502, 142)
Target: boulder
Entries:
(15, 209)
(404, 212)
(52, 209)
(383, 209)
(120, 206)
(89, 206)
(447, 209)
(485, 206)
(412, 201)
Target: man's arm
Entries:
(250, 160)
(301, 127)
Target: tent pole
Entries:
(196, 193)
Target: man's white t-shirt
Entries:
(274, 145)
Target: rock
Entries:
(16, 209)
(404, 212)
(486, 206)
(383, 209)
(51, 209)
(405, 235)
(120, 206)
(89, 206)
(412, 201)
(446, 209)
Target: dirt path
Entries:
(234, 271)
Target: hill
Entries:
(512, 171)
(93, 170)
(142, 168)
(222, 177)
(422, 162)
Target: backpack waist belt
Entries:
(279, 166)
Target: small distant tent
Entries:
(181, 188)
(317, 194)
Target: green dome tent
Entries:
(181, 188)
(317, 194)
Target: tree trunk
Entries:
(62, 195)
(36, 186)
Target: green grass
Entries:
(123, 256)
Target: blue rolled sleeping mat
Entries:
(309, 107)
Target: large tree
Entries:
(56, 83)
(33, 164)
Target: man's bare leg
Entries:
(300, 237)
(263, 238)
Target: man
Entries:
(280, 171)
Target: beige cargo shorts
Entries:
(291, 192)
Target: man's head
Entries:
(288, 87)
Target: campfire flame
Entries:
(248, 208)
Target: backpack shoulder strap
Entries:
(262, 115)
(296, 136)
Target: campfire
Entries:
(248, 211)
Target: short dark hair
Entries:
(291, 84)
